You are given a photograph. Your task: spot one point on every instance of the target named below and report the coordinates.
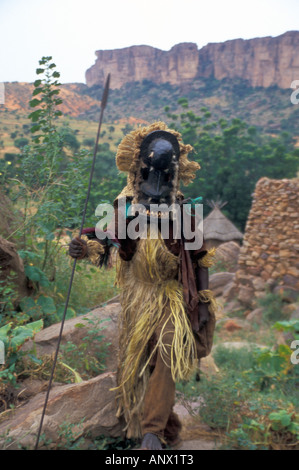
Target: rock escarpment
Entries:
(138, 63)
(262, 62)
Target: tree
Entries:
(89, 142)
(21, 142)
(233, 157)
(69, 139)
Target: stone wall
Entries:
(269, 256)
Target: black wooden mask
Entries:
(157, 180)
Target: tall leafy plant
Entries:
(51, 184)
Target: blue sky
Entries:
(72, 30)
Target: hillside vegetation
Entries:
(227, 122)
(269, 109)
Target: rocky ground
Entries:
(75, 402)
(88, 405)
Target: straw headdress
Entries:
(127, 156)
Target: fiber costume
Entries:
(168, 311)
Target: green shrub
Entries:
(272, 305)
(87, 358)
(13, 339)
(278, 430)
(251, 402)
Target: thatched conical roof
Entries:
(216, 226)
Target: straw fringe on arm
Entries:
(95, 251)
(208, 260)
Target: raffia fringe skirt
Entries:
(149, 289)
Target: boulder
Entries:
(227, 254)
(75, 329)
(233, 306)
(218, 281)
(87, 407)
(246, 297)
(287, 293)
(230, 291)
(258, 284)
(255, 316)
(196, 435)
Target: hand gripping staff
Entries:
(103, 105)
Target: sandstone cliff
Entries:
(261, 61)
(137, 63)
